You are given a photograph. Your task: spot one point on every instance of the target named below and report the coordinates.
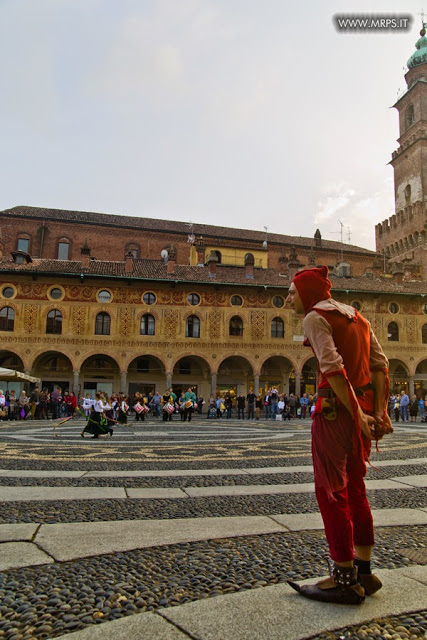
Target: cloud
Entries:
(357, 209)
(337, 197)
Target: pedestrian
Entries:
(413, 408)
(404, 404)
(251, 398)
(241, 406)
(189, 400)
(350, 412)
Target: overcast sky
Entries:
(247, 113)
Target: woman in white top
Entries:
(97, 425)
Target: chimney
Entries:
(212, 262)
(85, 254)
(318, 238)
(129, 262)
(283, 265)
(397, 271)
(200, 252)
(170, 268)
(293, 264)
(249, 264)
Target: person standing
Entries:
(404, 403)
(189, 400)
(251, 397)
(240, 406)
(413, 408)
(350, 412)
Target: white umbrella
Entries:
(11, 374)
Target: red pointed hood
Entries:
(313, 285)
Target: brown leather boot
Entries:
(370, 583)
(340, 588)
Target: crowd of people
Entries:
(42, 405)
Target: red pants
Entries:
(347, 517)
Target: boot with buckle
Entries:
(341, 587)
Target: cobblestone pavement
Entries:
(47, 600)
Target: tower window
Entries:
(410, 116)
(424, 334)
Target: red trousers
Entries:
(346, 512)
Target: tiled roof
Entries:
(157, 270)
(152, 224)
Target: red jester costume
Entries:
(350, 413)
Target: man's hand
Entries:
(367, 424)
(383, 425)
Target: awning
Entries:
(11, 374)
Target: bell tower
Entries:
(403, 236)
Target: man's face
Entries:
(294, 301)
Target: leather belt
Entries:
(360, 391)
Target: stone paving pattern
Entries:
(167, 584)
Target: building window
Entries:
(148, 325)
(278, 302)
(192, 327)
(425, 308)
(410, 116)
(133, 249)
(149, 298)
(102, 324)
(63, 250)
(24, 244)
(393, 332)
(236, 301)
(193, 299)
(7, 319)
(105, 296)
(8, 292)
(393, 307)
(236, 326)
(356, 305)
(424, 334)
(219, 256)
(56, 293)
(277, 328)
(54, 321)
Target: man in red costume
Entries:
(350, 413)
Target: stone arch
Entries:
(54, 368)
(100, 372)
(399, 374)
(129, 359)
(146, 373)
(235, 374)
(8, 358)
(279, 371)
(194, 373)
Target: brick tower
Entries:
(403, 236)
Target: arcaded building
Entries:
(143, 324)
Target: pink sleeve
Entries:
(319, 334)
